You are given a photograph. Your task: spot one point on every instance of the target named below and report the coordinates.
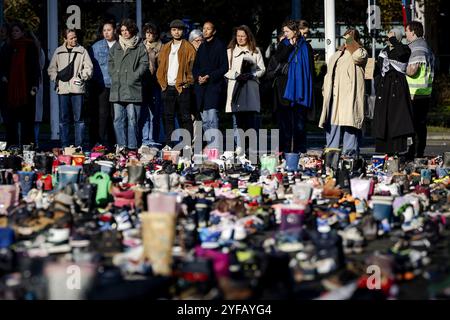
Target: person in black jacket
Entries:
(20, 74)
(392, 122)
(210, 66)
(291, 120)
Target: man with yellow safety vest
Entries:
(420, 74)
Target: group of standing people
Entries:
(140, 90)
(136, 82)
(403, 85)
(404, 79)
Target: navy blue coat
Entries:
(211, 59)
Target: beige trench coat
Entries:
(348, 89)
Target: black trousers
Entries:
(101, 116)
(292, 121)
(25, 116)
(247, 120)
(420, 108)
(177, 104)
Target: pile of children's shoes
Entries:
(168, 224)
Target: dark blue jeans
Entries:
(126, 116)
(150, 119)
(66, 101)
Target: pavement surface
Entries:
(437, 143)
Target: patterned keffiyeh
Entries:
(421, 53)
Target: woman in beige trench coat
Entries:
(343, 95)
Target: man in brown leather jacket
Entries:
(174, 75)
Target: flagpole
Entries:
(373, 52)
(52, 39)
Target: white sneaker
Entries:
(119, 149)
(148, 153)
(161, 182)
(58, 235)
(144, 149)
(239, 232)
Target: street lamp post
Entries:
(139, 14)
(330, 29)
(296, 9)
(52, 37)
(1, 12)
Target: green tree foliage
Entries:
(23, 11)
(262, 16)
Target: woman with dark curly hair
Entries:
(151, 111)
(128, 63)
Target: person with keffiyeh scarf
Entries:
(392, 122)
(420, 78)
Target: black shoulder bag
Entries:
(67, 73)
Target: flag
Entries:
(405, 17)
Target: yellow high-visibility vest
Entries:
(421, 84)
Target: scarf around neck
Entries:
(18, 80)
(421, 53)
(155, 45)
(299, 89)
(128, 43)
(390, 63)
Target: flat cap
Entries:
(177, 24)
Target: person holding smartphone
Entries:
(343, 96)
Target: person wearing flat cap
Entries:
(392, 120)
(175, 77)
